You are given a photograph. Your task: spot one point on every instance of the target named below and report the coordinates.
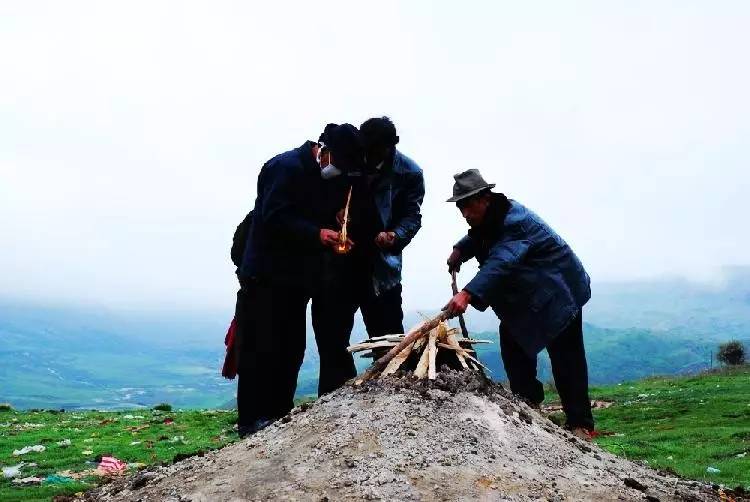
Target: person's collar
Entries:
(492, 224)
(306, 153)
(387, 167)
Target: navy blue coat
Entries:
(284, 240)
(398, 196)
(530, 277)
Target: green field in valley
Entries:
(681, 424)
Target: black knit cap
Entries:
(323, 138)
(345, 144)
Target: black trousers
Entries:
(333, 319)
(569, 369)
(272, 331)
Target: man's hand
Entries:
(385, 240)
(329, 237)
(454, 261)
(332, 238)
(458, 304)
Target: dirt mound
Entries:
(459, 437)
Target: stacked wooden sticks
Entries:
(420, 344)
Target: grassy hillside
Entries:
(138, 437)
(682, 424)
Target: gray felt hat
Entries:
(468, 183)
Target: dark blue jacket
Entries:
(284, 239)
(529, 276)
(398, 195)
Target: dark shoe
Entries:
(248, 430)
(261, 424)
(244, 430)
(533, 405)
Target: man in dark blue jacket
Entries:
(385, 216)
(280, 272)
(536, 285)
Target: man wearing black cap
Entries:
(536, 285)
(280, 272)
(385, 216)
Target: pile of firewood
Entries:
(421, 345)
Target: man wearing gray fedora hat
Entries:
(537, 287)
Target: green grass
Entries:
(102, 433)
(682, 424)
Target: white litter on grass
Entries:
(670, 457)
(13, 471)
(88, 440)
(27, 449)
(134, 443)
(64, 443)
(712, 470)
(131, 417)
(741, 455)
(87, 452)
(178, 439)
(28, 481)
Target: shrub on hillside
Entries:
(731, 353)
(5, 407)
(163, 407)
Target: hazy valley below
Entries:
(64, 357)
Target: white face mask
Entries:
(330, 171)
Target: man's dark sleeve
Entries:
(240, 240)
(503, 257)
(411, 220)
(467, 248)
(283, 214)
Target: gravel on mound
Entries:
(460, 437)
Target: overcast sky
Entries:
(131, 133)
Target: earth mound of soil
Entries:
(460, 437)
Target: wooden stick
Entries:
(410, 338)
(397, 338)
(365, 346)
(397, 361)
(451, 347)
(342, 247)
(419, 344)
(459, 351)
(472, 358)
(432, 352)
(461, 320)
(423, 367)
